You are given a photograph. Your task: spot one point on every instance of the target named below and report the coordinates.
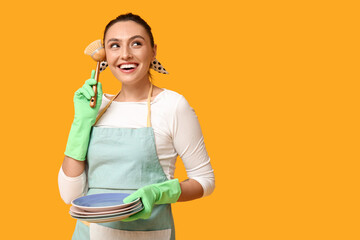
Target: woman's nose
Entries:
(126, 53)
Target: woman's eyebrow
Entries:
(137, 36)
(132, 38)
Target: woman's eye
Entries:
(136, 44)
(114, 45)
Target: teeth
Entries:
(128, 66)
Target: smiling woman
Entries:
(119, 146)
(129, 53)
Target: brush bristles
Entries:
(93, 47)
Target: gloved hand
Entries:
(85, 117)
(159, 193)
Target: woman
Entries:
(133, 147)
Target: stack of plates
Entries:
(104, 207)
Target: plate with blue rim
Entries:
(103, 202)
(81, 212)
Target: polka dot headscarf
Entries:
(103, 65)
(155, 65)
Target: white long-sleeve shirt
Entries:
(177, 132)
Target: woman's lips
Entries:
(128, 67)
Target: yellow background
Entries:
(275, 85)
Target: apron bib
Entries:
(124, 160)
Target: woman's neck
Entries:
(134, 93)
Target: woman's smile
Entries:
(128, 67)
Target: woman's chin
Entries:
(129, 77)
(133, 79)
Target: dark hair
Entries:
(131, 17)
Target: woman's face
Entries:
(129, 52)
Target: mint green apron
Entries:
(124, 160)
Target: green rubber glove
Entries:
(85, 117)
(159, 193)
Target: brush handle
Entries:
(93, 99)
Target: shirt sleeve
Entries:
(189, 143)
(71, 187)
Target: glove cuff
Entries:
(169, 191)
(78, 140)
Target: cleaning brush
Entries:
(97, 52)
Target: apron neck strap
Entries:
(148, 105)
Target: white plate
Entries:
(109, 219)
